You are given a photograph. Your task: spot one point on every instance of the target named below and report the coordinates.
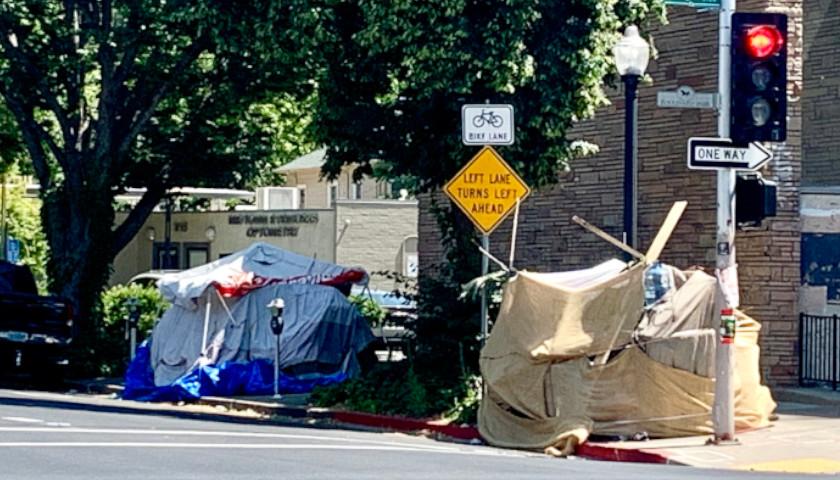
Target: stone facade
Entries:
(768, 256)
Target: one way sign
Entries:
(719, 153)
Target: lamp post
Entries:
(631, 53)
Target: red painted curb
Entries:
(611, 454)
(405, 424)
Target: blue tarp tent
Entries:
(216, 338)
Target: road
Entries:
(52, 435)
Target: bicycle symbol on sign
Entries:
(488, 118)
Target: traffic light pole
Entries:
(723, 411)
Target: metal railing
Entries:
(819, 357)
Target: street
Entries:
(53, 435)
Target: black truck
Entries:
(35, 330)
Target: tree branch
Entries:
(29, 130)
(124, 233)
(15, 54)
(145, 112)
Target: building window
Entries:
(196, 254)
(410, 263)
(356, 190)
(161, 261)
(302, 198)
(332, 193)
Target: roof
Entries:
(310, 160)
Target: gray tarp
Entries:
(323, 331)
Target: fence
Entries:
(819, 340)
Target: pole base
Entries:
(723, 441)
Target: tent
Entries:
(577, 353)
(216, 339)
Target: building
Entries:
(806, 168)
(346, 222)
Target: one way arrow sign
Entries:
(719, 153)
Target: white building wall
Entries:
(372, 234)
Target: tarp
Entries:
(207, 342)
(229, 378)
(569, 357)
(258, 265)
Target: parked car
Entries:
(150, 278)
(35, 331)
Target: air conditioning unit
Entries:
(278, 198)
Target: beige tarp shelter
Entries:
(576, 353)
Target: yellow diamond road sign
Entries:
(486, 189)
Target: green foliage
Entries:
(110, 352)
(396, 389)
(115, 306)
(24, 224)
(395, 75)
(373, 313)
(111, 95)
(391, 388)
(465, 408)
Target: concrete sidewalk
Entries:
(804, 439)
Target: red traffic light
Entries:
(763, 41)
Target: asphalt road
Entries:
(49, 435)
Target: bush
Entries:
(112, 349)
(149, 301)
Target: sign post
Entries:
(723, 410)
(487, 190)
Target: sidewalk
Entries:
(805, 439)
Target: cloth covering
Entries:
(258, 265)
(550, 384)
(322, 332)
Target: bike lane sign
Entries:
(483, 124)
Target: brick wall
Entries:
(821, 94)
(768, 256)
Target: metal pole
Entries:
(485, 269)
(631, 83)
(133, 344)
(167, 234)
(5, 229)
(724, 406)
(277, 369)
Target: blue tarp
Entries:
(228, 379)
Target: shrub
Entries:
(112, 350)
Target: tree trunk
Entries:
(78, 226)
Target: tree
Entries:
(395, 74)
(141, 93)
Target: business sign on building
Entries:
(487, 189)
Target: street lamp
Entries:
(631, 53)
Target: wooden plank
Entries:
(609, 238)
(665, 231)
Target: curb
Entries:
(613, 454)
(368, 420)
(404, 424)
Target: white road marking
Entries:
(22, 419)
(210, 433)
(240, 446)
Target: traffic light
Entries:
(755, 199)
(759, 78)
